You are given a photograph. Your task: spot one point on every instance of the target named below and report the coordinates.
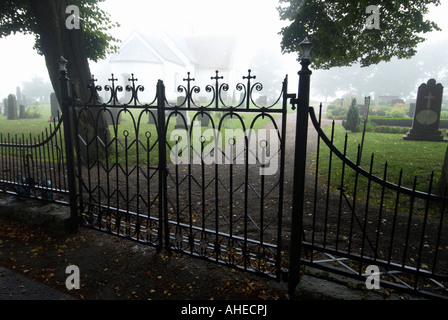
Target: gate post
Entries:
(161, 133)
(302, 102)
(72, 223)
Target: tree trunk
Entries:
(57, 40)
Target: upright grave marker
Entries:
(54, 105)
(425, 126)
(12, 107)
(5, 106)
(183, 120)
(22, 112)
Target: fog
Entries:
(256, 25)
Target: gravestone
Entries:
(54, 105)
(5, 106)
(12, 107)
(112, 117)
(425, 126)
(184, 118)
(411, 109)
(262, 101)
(152, 116)
(22, 112)
(18, 96)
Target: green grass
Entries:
(33, 126)
(416, 159)
(128, 126)
(123, 136)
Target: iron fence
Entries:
(34, 166)
(208, 186)
(350, 229)
(205, 175)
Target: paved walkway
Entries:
(14, 286)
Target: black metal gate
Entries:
(202, 175)
(374, 224)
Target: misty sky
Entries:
(256, 22)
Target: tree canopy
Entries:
(339, 34)
(17, 16)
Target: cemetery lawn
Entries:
(30, 129)
(33, 126)
(415, 158)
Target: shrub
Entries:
(381, 113)
(353, 120)
(398, 113)
(444, 115)
(34, 111)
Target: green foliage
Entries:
(34, 111)
(353, 119)
(17, 16)
(391, 148)
(340, 38)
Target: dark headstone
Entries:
(411, 109)
(184, 118)
(22, 113)
(425, 126)
(262, 101)
(18, 96)
(152, 116)
(5, 106)
(55, 110)
(12, 107)
(112, 116)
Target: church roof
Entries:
(135, 50)
(207, 51)
(213, 51)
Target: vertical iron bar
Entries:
(422, 238)
(281, 178)
(73, 222)
(367, 106)
(327, 199)
(316, 180)
(299, 175)
(394, 221)
(216, 244)
(163, 212)
(364, 231)
(341, 191)
(204, 215)
(246, 196)
(355, 189)
(439, 233)
(411, 209)
(380, 213)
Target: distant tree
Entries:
(267, 67)
(339, 35)
(36, 88)
(353, 119)
(47, 20)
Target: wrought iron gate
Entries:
(202, 175)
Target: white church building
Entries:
(168, 57)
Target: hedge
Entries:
(395, 122)
(401, 122)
